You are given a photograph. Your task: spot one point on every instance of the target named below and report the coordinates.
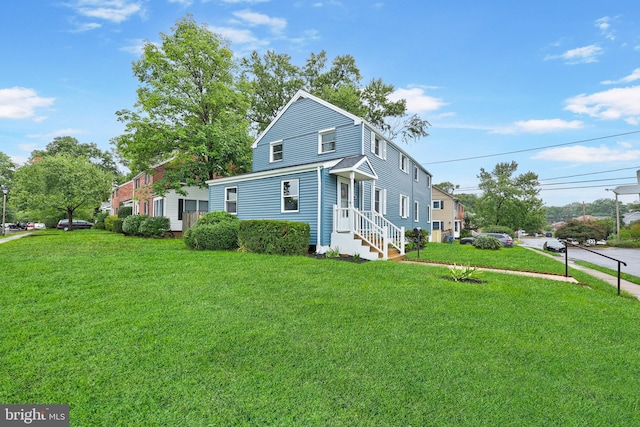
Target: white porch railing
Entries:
(371, 227)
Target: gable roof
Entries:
(303, 94)
(360, 165)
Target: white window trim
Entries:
(383, 146)
(271, 145)
(282, 209)
(226, 200)
(406, 163)
(383, 200)
(416, 211)
(404, 206)
(322, 132)
(428, 181)
(433, 203)
(429, 213)
(416, 173)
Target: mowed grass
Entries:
(145, 332)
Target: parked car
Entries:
(548, 234)
(505, 239)
(554, 245)
(39, 226)
(63, 224)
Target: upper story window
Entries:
(428, 181)
(416, 211)
(416, 173)
(275, 154)
(231, 200)
(327, 141)
(136, 183)
(290, 195)
(404, 163)
(147, 178)
(378, 146)
(438, 204)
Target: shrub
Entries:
(154, 226)
(499, 229)
(215, 218)
(274, 237)
(125, 211)
(99, 224)
(117, 225)
(108, 222)
(131, 224)
(487, 242)
(222, 236)
(412, 240)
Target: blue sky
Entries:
(551, 83)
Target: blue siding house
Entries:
(319, 164)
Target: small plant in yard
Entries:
(333, 252)
(463, 273)
(487, 242)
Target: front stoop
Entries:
(394, 254)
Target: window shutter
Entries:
(180, 208)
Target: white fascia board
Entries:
(272, 172)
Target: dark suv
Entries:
(63, 224)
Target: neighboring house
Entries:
(138, 194)
(630, 217)
(447, 214)
(322, 165)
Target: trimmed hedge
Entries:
(145, 226)
(222, 236)
(274, 237)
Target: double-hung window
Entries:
(327, 141)
(416, 211)
(275, 154)
(290, 195)
(404, 163)
(231, 200)
(378, 146)
(416, 173)
(404, 206)
(438, 204)
(380, 201)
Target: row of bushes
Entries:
(136, 225)
(223, 231)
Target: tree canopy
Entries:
(72, 147)
(7, 168)
(509, 200)
(191, 110)
(274, 80)
(61, 183)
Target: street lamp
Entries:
(5, 190)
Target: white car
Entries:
(39, 226)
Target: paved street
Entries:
(630, 256)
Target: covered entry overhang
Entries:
(355, 168)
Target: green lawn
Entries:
(145, 332)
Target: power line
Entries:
(590, 173)
(562, 183)
(532, 149)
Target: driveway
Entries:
(630, 256)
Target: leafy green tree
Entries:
(509, 200)
(62, 183)
(447, 187)
(70, 146)
(191, 109)
(468, 200)
(7, 168)
(581, 230)
(274, 80)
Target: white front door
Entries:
(344, 195)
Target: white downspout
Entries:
(319, 227)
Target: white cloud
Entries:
(417, 101)
(582, 154)
(21, 103)
(55, 133)
(87, 26)
(604, 25)
(109, 10)
(579, 55)
(612, 104)
(241, 37)
(244, 1)
(635, 75)
(540, 126)
(255, 19)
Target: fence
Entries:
(190, 218)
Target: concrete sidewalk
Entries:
(625, 285)
(13, 237)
